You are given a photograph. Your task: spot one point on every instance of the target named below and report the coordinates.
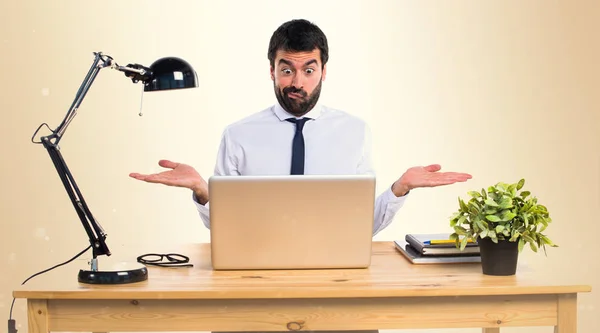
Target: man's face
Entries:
(297, 78)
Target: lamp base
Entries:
(119, 275)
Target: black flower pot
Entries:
(498, 258)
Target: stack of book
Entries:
(436, 249)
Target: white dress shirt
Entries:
(335, 143)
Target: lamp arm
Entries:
(100, 61)
(94, 230)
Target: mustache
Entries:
(294, 90)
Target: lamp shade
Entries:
(171, 73)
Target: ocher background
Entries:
(499, 89)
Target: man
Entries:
(297, 135)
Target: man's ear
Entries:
(272, 71)
(324, 72)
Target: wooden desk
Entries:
(391, 294)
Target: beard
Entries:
(297, 106)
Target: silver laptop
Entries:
(291, 222)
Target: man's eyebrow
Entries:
(310, 62)
(289, 63)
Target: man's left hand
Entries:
(427, 176)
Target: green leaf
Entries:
(483, 233)
(492, 218)
(454, 237)
(527, 237)
(515, 236)
(480, 224)
(474, 203)
(512, 189)
(520, 184)
(463, 243)
(492, 235)
(491, 202)
(499, 228)
(545, 240)
(483, 194)
(507, 215)
(473, 210)
(460, 230)
(506, 202)
(474, 194)
(502, 187)
(521, 244)
(533, 247)
(525, 194)
(462, 205)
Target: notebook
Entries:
(420, 242)
(416, 257)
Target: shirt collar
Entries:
(316, 111)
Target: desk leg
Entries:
(37, 315)
(567, 314)
(491, 330)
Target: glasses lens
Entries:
(152, 257)
(176, 257)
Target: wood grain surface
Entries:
(390, 275)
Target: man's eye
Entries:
(309, 70)
(286, 71)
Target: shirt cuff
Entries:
(201, 208)
(392, 198)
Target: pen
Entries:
(443, 241)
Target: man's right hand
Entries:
(180, 175)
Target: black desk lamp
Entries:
(163, 74)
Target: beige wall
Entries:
(500, 89)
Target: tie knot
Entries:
(299, 122)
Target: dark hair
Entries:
(298, 36)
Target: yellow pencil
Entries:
(443, 241)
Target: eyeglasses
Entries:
(173, 260)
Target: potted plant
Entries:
(502, 220)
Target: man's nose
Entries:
(298, 81)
